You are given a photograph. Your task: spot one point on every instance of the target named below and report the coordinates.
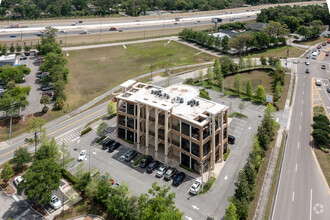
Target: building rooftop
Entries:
(182, 100)
(8, 57)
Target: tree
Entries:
(256, 154)
(66, 157)
(238, 83)
(111, 108)
(217, 67)
(241, 42)
(250, 173)
(278, 90)
(18, 48)
(158, 204)
(45, 100)
(263, 60)
(210, 77)
(241, 63)
(21, 157)
(242, 207)
(48, 150)
(7, 172)
(261, 39)
(200, 75)
(35, 126)
(224, 43)
(220, 82)
(101, 128)
(84, 180)
(59, 103)
(12, 48)
(321, 137)
(276, 29)
(40, 180)
(231, 212)
(249, 89)
(249, 61)
(243, 190)
(263, 137)
(260, 93)
(4, 50)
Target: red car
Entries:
(327, 54)
(113, 29)
(319, 47)
(324, 44)
(114, 99)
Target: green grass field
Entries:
(94, 71)
(318, 40)
(279, 52)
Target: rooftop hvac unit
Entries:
(188, 103)
(181, 100)
(197, 103)
(168, 96)
(152, 91)
(192, 104)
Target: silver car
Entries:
(318, 82)
(161, 171)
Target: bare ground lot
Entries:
(94, 71)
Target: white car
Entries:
(55, 202)
(196, 187)
(318, 82)
(82, 155)
(115, 185)
(17, 180)
(64, 31)
(161, 171)
(307, 62)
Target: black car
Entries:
(107, 143)
(178, 179)
(130, 155)
(152, 166)
(46, 88)
(307, 71)
(231, 139)
(145, 161)
(113, 147)
(170, 173)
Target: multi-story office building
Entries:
(173, 123)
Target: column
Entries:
(213, 142)
(221, 136)
(138, 127)
(147, 130)
(156, 133)
(166, 137)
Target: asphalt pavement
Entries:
(303, 192)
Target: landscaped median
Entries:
(208, 185)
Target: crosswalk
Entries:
(72, 136)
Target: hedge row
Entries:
(86, 130)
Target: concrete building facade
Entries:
(174, 122)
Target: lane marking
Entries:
(310, 204)
(302, 101)
(300, 128)
(301, 113)
(298, 145)
(226, 177)
(296, 167)
(75, 139)
(195, 207)
(54, 131)
(293, 196)
(277, 119)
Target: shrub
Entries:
(86, 130)
(324, 149)
(204, 94)
(69, 177)
(225, 156)
(101, 139)
(187, 168)
(137, 162)
(112, 115)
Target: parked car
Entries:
(328, 90)
(113, 147)
(55, 202)
(307, 71)
(327, 54)
(115, 185)
(23, 58)
(152, 166)
(319, 47)
(114, 99)
(196, 187)
(50, 94)
(106, 143)
(82, 155)
(307, 63)
(113, 29)
(324, 44)
(161, 171)
(170, 173)
(17, 180)
(231, 139)
(323, 66)
(308, 56)
(40, 76)
(46, 88)
(178, 179)
(102, 177)
(145, 161)
(129, 155)
(318, 82)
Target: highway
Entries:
(303, 192)
(97, 28)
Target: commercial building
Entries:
(8, 60)
(174, 123)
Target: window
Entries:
(224, 118)
(195, 165)
(225, 145)
(195, 149)
(224, 133)
(130, 122)
(121, 120)
(185, 144)
(130, 136)
(121, 133)
(185, 129)
(130, 109)
(206, 148)
(195, 132)
(206, 131)
(217, 140)
(217, 156)
(185, 160)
